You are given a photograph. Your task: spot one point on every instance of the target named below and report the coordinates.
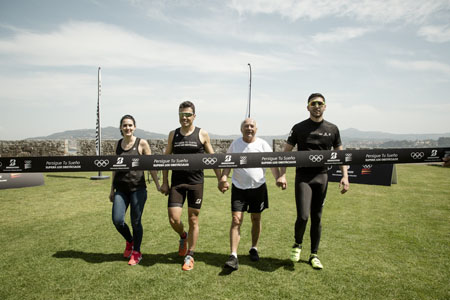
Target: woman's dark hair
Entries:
(130, 117)
(316, 95)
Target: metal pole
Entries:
(249, 91)
(98, 138)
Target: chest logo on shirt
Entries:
(324, 133)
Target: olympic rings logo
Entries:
(316, 158)
(367, 166)
(101, 163)
(417, 155)
(209, 160)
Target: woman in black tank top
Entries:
(129, 189)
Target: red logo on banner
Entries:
(366, 169)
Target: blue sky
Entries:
(382, 65)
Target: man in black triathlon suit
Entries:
(311, 183)
(186, 139)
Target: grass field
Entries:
(58, 242)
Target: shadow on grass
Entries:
(97, 258)
(66, 176)
(265, 264)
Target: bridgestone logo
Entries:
(316, 158)
(417, 155)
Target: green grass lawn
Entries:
(58, 242)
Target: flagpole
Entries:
(98, 129)
(249, 91)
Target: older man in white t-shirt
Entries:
(249, 191)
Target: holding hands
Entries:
(164, 189)
(223, 185)
(282, 182)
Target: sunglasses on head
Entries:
(316, 103)
(185, 114)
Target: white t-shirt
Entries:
(250, 178)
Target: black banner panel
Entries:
(219, 161)
(365, 174)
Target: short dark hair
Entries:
(186, 104)
(130, 117)
(316, 95)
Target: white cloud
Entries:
(435, 34)
(94, 44)
(420, 65)
(340, 34)
(387, 11)
(48, 90)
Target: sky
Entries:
(382, 65)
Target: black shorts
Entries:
(194, 193)
(250, 200)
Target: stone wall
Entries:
(34, 148)
(82, 147)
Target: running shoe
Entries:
(315, 262)
(295, 253)
(136, 257)
(183, 248)
(128, 249)
(253, 254)
(188, 263)
(232, 263)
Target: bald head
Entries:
(248, 129)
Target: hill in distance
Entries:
(355, 134)
(108, 133)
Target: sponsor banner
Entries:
(376, 174)
(19, 180)
(219, 161)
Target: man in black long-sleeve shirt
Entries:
(311, 183)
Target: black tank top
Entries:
(132, 180)
(187, 145)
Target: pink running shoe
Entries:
(136, 257)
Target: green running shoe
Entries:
(315, 262)
(295, 253)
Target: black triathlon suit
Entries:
(311, 183)
(187, 182)
(129, 181)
